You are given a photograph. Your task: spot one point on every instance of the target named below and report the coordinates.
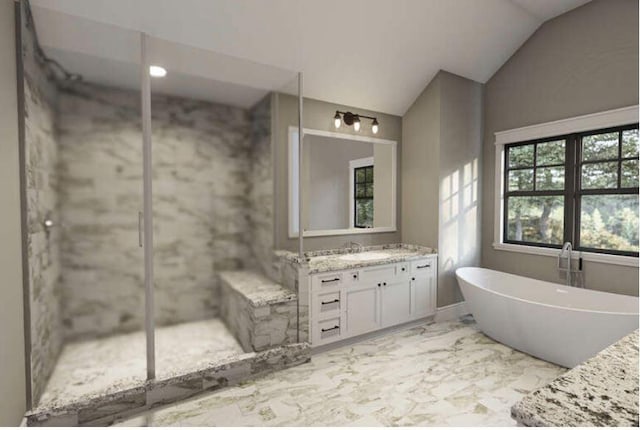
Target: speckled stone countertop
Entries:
(602, 391)
(333, 259)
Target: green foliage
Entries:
(536, 219)
(600, 146)
(610, 222)
(521, 156)
(599, 175)
(550, 153)
(364, 213)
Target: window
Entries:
(363, 197)
(580, 188)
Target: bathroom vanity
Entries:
(354, 293)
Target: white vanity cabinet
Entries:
(353, 302)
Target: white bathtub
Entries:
(560, 324)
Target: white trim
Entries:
(451, 312)
(594, 121)
(346, 136)
(499, 196)
(353, 165)
(610, 118)
(621, 260)
(294, 174)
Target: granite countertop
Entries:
(332, 259)
(602, 391)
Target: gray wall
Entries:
(319, 115)
(442, 133)
(12, 369)
(582, 62)
(460, 152)
(420, 168)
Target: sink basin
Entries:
(365, 256)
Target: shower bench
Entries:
(259, 312)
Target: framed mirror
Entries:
(348, 184)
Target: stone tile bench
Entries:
(260, 313)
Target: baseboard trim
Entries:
(451, 312)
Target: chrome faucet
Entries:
(566, 248)
(354, 246)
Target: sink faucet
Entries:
(354, 246)
(566, 248)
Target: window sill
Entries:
(620, 260)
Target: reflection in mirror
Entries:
(348, 184)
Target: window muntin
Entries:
(363, 197)
(581, 188)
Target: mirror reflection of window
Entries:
(363, 196)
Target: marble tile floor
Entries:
(116, 363)
(438, 374)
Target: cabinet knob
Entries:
(355, 276)
(403, 269)
(379, 284)
(384, 283)
(413, 279)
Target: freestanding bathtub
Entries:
(563, 325)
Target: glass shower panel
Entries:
(83, 167)
(213, 201)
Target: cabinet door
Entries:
(424, 297)
(396, 303)
(362, 309)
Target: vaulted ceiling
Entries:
(373, 54)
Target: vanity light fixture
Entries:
(157, 71)
(353, 119)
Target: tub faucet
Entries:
(566, 248)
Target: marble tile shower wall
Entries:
(100, 167)
(43, 248)
(201, 205)
(261, 190)
(201, 165)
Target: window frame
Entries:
(579, 192)
(533, 193)
(572, 192)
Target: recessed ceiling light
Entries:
(157, 71)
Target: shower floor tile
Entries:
(102, 366)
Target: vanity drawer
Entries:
(422, 266)
(327, 303)
(328, 330)
(326, 281)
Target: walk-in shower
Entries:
(149, 219)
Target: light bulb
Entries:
(375, 126)
(356, 123)
(337, 120)
(157, 71)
